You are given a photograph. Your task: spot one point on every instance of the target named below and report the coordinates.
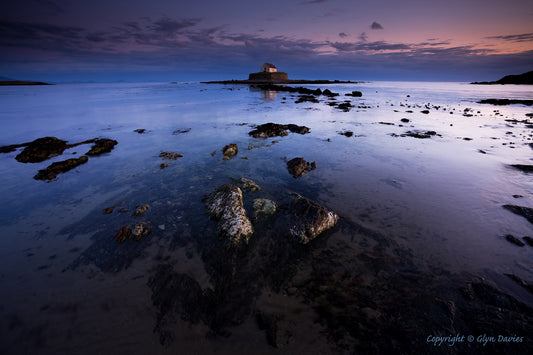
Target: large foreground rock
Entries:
(225, 205)
(309, 219)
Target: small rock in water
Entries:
(299, 166)
(108, 210)
(170, 155)
(309, 219)
(346, 133)
(247, 184)
(523, 167)
(140, 209)
(225, 205)
(514, 240)
(529, 241)
(123, 234)
(264, 207)
(270, 129)
(230, 151)
(140, 130)
(140, 230)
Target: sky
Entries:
(193, 40)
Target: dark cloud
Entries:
(50, 6)
(376, 26)
(524, 37)
(170, 27)
(312, 2)
(343, 35)
(363, 37)
(368, 46)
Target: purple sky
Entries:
(164, 40)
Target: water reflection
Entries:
(266, 95)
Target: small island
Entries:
(521, 79)
(269, 74)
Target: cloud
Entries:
(524, 37)
(312, 2)
(368, 46)
(343, 35)
(363, 37)
(376, 26)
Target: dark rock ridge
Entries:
(309, 219)
(290, 81)
(299, 166)
(48, 147)
(523, 167)
(502, 102)
(225, 206)
(525, 212)
(270, 129)
(102, 146)
(521, 79)
(417, 134)
(514, 240)
(60, 167)
(42, 149)
(262, 76)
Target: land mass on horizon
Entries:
(520, 79)
(269, 74)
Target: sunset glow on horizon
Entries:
(137, 40)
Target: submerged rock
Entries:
(309, 219)
(225, 205)
(141, 229)
(60, 167)
(299, 166)
(230, 151)
(247, 184)
(502, 102)
(525, 212)
(512, 239)
(42, 149)
(355, 94)
(523, 167)
(270, 129)
(346, 133)
(140, 209)
(123, 234)
(418, 134)
(264, 208)
(529, 241)
(102, 146)
(170, 155)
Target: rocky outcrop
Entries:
(309, 219)
(170, 155)
(299, 166)
(520, 79)
(263, 208)
(42, 149)
(225, 206)
(60, 167)
(270, 129)
(503, 102)
(102, 146)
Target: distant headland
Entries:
(521, 79)
(269, 74)
(21, 82)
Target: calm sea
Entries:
(68, 287)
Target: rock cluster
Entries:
(270, 129)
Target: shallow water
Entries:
(433, 205)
